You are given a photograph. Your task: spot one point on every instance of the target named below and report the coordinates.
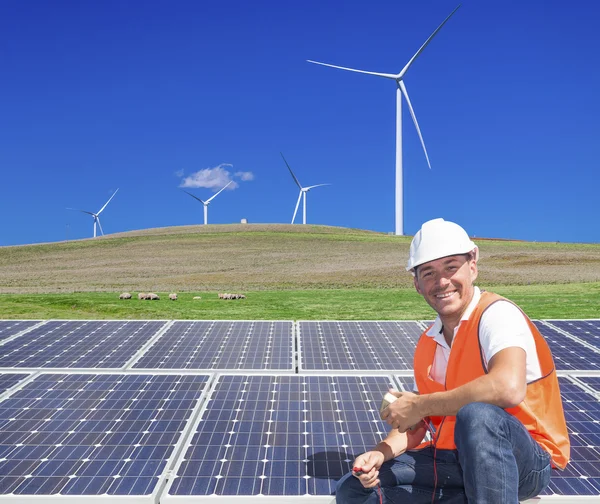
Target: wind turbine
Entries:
(303, 191)
(207, 202)
(96, 215)
(401, 90)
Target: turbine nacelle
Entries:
(96, 216)
(303, 191)
(207, 202)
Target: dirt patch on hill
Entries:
(267, 257)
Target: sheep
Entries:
(125, 295)
(153, 296)
(231, 296)
(142, 295)
(173, 296)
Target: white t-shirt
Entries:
(502, 326)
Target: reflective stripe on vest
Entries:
(541, 411)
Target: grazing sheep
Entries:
(173, 296)
(125, 295)
(231, 296)
(142, 295)
(152, 296)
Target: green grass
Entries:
(577, 300)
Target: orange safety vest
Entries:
(541, 411)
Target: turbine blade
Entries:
(100, 211)
(294, 176)
(297, 204)
(84, 211)
(195, 197)
(416, 55)
(216, 194)
(313, 186)
(100, 225)
(414, 118)
(378, 74)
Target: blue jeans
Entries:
(496, 462)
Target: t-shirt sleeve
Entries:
(503, 326)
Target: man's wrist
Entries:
(423, 405)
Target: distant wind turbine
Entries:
(303, 191)
(96, 215)
(207, 202)
(401, 90)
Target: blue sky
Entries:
(147, 96)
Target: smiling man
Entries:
(485, 389)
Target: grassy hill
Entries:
(273, 261)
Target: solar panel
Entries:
(582, 475)
(569, 354)
(357, 346)
(586, 330)
(9, 328)
(279, 435)
(8, 380)
(78, 344)
(223, 345)
(94, 434)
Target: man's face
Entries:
(447, 284)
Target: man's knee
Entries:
(476, 420)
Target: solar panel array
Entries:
(78, 344)
(209, 411)
(216, 344)
(10, 328)
(357, 346)
(569, 353)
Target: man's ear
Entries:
(474, 270)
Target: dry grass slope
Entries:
(266, 257)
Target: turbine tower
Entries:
(96, 215)
(303, 191)
(207, 202)
(401, 90)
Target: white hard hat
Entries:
(438, 238)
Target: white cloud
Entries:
(215, 178)
(212, 178)
(245, 176)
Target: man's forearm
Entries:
(393, 445)
(485, 389)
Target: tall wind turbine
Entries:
(207, 202)
(303, 191)
(96, 215)
(401, 90)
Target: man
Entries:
(487, 393)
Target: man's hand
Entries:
(368, 464)
(404, 412)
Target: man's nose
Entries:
(443, 281)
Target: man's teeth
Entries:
(447, 294)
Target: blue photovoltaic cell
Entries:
(591, 381)
(226, 345)
(569, 354)
(8, 380)
(9, 328)
(281, 435)
(361, 346)
(88, 434)
(79, 344)
(582, 475)
(586, 330)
